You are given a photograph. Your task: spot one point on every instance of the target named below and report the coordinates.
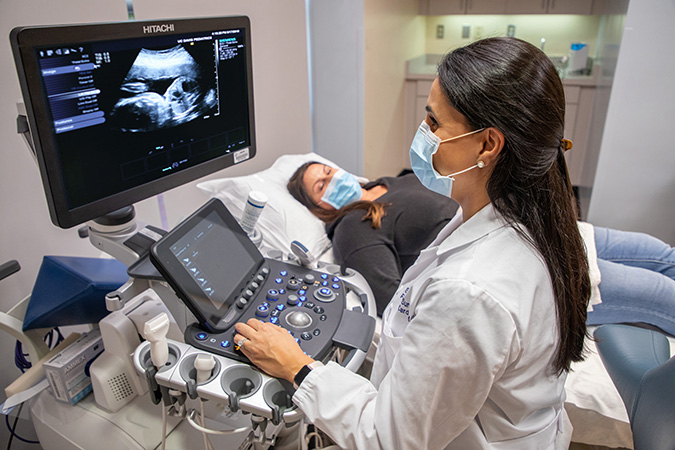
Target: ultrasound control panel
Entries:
(308, 303)
(222, 277)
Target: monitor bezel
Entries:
(23, 42)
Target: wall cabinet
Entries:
(416, 93)
(549, 6)
(578, 115)
(445, 7)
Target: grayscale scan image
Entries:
(162, 89)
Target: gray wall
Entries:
(634, 187)
(282, 120)
(337, 79)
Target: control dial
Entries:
(324, 295)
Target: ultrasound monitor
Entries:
(120, 112)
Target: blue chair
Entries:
(638, 361)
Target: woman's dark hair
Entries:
(511, 85)
(374, 210)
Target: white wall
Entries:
(358, 53)
(634, 187)
(282, 125)
(394, 33)
(26, 233)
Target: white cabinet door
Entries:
(570, 6)
(578, 119)
(526, 6)
(416, 93)
(549, 6)
(485, 7)
(444, 7)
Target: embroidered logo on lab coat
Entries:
(404, 304)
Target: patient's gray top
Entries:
(414, 216)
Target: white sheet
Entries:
(594, 406)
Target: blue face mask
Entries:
(424, 145)
(343, 189)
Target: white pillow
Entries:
(283, 219)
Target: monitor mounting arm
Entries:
(23, 128)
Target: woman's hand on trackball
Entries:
(271, 348)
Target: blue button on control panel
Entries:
(262, 311)
(201, 336)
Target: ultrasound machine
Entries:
(119, 112)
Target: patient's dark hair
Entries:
(511, 85)
(374, 210)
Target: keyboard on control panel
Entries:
(308, 303)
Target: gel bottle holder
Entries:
(240, 382)
(239, 385)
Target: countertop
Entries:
(424, 68)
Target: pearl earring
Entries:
(480, 164)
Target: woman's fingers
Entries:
(245, 329)
(271, 348)
(254, 323)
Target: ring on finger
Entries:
(240, 344)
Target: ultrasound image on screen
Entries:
(163, 88)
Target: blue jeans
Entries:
(637, 280)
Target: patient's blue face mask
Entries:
(343, 189)
(424, 146)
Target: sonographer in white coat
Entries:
(477, 340)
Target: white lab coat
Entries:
(464, 355)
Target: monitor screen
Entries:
(120, 112)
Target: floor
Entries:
(576, 446)
(25, 430)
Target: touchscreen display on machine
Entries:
(208, 260)
(205, 259)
